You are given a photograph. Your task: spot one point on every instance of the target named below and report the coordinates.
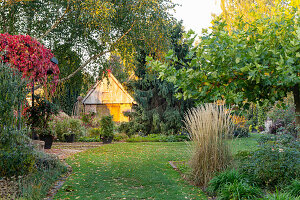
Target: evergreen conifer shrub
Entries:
(158, 111)
(107, 127)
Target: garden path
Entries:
(64, 150)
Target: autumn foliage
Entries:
(30, 57)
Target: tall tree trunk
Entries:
(297, 103)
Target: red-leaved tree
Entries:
(30, 57)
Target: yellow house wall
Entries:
(116, 110)
(125, 107)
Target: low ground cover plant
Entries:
(138, 138)
(239, 190)
(120, 137)
(159, 138)
(117, 137)
(231, 184)
(223, 178)
(294, 188)
(280, 196)
(94, 132)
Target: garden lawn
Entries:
(128, 171)
(242, 144)
(135, 171)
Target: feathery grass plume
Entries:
(209, 125)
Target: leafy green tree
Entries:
(246, 65)
(118, 68)
(91, 28)
(67, 92)
(157, 111)
(251, 10)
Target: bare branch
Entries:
(96, 56)
(83, 65)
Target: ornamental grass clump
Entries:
(209, 125)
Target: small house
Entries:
(108, 97)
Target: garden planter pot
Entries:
(48, 139)
(70, 138)
(107, 140)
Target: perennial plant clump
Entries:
(209, 125)
(274, 164)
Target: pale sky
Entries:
(196, 14)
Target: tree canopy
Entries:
(250, 11)
(91, 28)
(243, 65)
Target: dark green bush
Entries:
(239, 190)
(107, 127)
(126, 127)
(89, 139)
(11, 138)
(16, 153)
(18, 156)
(284, 140)
(94, 132)
(241, 132)
(120, 137)
(272, 165)
(16, 161)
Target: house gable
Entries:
(108, 91)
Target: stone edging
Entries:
(59, 183)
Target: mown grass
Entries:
(128, 171)
(134, 171)
(241, 144)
